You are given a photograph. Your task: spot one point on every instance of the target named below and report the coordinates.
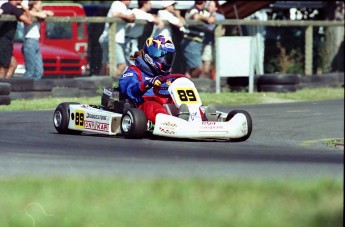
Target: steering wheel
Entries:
(160, 90)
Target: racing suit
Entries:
(132, 85)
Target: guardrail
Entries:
(276, 23)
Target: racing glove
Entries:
(154, 81)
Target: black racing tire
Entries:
(5, 88)
(249, 124)
(133, 123)
(281, 88)
(5, 100)
(61, 119)
(278, 79)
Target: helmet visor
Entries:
(166, 61)
(164, 55)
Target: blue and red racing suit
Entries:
(132, 85)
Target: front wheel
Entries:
(249, 124)
(133, 123)
(61, 119)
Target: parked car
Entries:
(63, 44)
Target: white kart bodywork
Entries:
(170, 126)
(195, 127)
(90, 118)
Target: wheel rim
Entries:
(126, 123)
(57, 118)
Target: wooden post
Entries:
(112, 49)
(308, 70)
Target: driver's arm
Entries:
(130, 85)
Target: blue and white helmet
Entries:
(159, 54)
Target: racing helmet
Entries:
(159, 54)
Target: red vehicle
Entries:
(63, 44)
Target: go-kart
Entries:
(131, 122)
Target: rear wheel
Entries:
(249, 124)
(133, 123)
(61, 119)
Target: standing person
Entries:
(135, 30)
(12, 68)
(151, 64)
(118, 9)
(192, 41)
(8, 31)
(31, 46)
(209, 40)
(170, 14)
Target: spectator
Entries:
(118, 9)
(12, 68)
(192, 41)
(31, 48)
(134, 30)
(168, 13)
(8, 31)
(208, 51)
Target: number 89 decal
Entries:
(79, 119)
(187, 96)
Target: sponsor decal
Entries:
(170, 46)
(97, 126)
(166, 131)
(244, 128)
(96, 117)
(127, 74)
(194, 115)
(169, 124)
(85, 106)
(168, 128)
(208, 123)
(107, 92)
(148, 59)
(211, 125)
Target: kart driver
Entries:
(151, 64)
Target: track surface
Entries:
(285, 143)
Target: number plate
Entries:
(79, 119)
(186, 95)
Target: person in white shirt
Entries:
(117, 9)
(31, 47)
(170, 14)
(135, 30)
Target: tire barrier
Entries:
(5, 90)
(335, 79)
(5, 100)
(240, 83)
(278, 83)
(23, 88)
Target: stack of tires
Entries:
(278, 83)
(5, 89)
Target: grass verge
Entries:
(160, 202)
(225, 98)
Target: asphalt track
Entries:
(286, 143)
